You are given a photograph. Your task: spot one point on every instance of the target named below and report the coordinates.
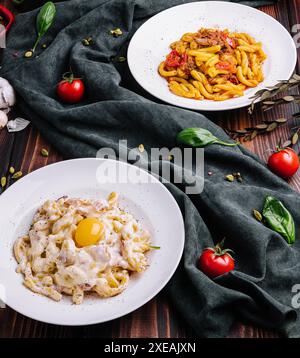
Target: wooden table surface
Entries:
(157, 318)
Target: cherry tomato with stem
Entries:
(70, 89)
(216, 261)
(284, 162)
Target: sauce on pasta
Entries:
(213, 64)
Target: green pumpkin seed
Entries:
(17, 175)
(44, 152)
(28, 54)
(3, 182)
(229, 177)
(257, 215)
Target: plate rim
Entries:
(81, 322)
(191, 107)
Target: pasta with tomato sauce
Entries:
(213, 64)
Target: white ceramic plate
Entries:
(144, 196)
(150, 45)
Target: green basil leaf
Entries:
(279, 218)
(196, 137)
(44, 20)
(199, 137)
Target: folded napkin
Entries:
(259, 290)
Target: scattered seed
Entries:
(122, 59)
(11, 170)
(28, 54)
(116, 32)
(238, 177)
(141, 148)
(17, 175)
(170, 157)
(257, 215)
(44, 46)
(44, 152)
(85, 42)
(229, 177)
(3, 182)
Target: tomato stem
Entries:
(69, 77)
(219, 249)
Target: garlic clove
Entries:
(7, 94)
(3, 119)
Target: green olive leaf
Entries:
(200, 137)
(44, 20)
(279, 219)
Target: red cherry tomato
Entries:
(70, 89)
(216, 261)
(284, 162)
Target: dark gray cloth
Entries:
(259, 290)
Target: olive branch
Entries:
(265, 97)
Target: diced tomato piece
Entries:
(223, 65)
(174, 59)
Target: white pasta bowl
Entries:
(150, 45)
(140, 194)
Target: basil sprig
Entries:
(44, 21)
(279, 218)
(200, 137)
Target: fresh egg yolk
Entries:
(89, 232)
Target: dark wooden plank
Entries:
(157, 318)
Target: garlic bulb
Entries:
(3, 119)
(7, 94)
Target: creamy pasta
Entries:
(75, 246)
(213, 64)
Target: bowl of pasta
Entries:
(90, 248)
(210, 55)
